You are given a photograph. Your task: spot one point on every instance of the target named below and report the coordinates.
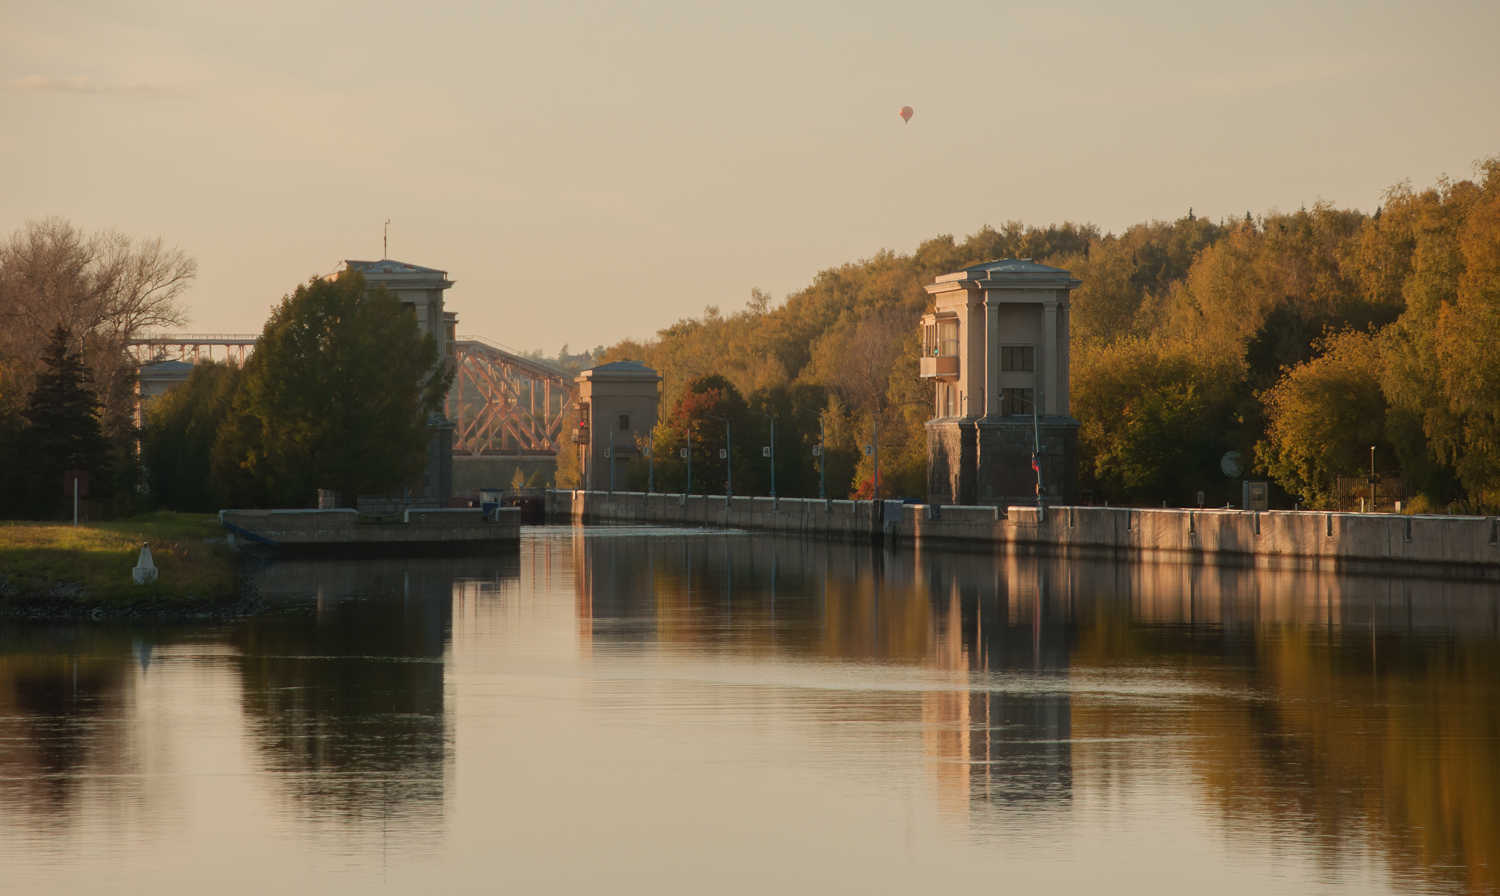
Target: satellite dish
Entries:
(906, 114)
(1232, 463)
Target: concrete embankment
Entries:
(1424, 545)
(427, 530)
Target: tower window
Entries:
(624, 421)
(1017, 402)
(1018, 357)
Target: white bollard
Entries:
(145, 568)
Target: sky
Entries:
(587, 172)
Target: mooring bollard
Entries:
(145, 568)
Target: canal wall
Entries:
(424, 529)
(1459, 546)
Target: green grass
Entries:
(100, 557)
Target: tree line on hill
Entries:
(1298, 339)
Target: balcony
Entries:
(944, 367)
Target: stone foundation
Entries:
(987, 460)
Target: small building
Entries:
(617, 408)
(996, 346)
(423, 289)
(155, 379)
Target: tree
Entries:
(62, 430)
(1323, 416)
(337, 395)
(702, 400)
(1154, 421)
(104, 288)
(178, 439)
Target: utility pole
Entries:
(728, 457)
(773, 449)
(821, 455)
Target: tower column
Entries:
(991, 357)
(1047, 400)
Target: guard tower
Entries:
(996, 344)
(422, 289)
(617, 406)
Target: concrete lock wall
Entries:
(342, 527)
(1465, 546)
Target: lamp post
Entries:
(1372, 478)
(728, 457)
(1036, 453)
(687, 454)
(610, 456)
(773, 449)
(822, 455)
(651, 462)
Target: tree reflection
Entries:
(65, 695)
(346, 698)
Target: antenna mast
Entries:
(385, 242)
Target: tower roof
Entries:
(620, 370)
(1007, 269)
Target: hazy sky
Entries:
(590, 171)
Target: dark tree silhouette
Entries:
(62, 429)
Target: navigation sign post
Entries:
(76, 483)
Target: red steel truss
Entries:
(503, 403)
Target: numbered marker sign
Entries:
(869, 450)
(765, 452)
(817, 451)
(723, 454)
(682, 452)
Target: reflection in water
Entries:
(620, 689)
(346, 699)
(63, 694)
(1348, 712)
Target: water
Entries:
(678, 711)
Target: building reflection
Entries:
(344, 685)
(1345, 711)
(994, 642)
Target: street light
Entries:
(1372, 478)
(773, 449)
(1036, 451)
(728, 457)
(822, 455)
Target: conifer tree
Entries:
(62, 429)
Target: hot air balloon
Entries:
(906, 114)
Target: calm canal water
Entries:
(680, 711)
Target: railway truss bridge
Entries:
(502, 404)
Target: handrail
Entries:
(195, 338)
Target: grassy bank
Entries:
(90, 566)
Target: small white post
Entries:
(145, 568)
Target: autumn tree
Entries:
(1323, 417)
